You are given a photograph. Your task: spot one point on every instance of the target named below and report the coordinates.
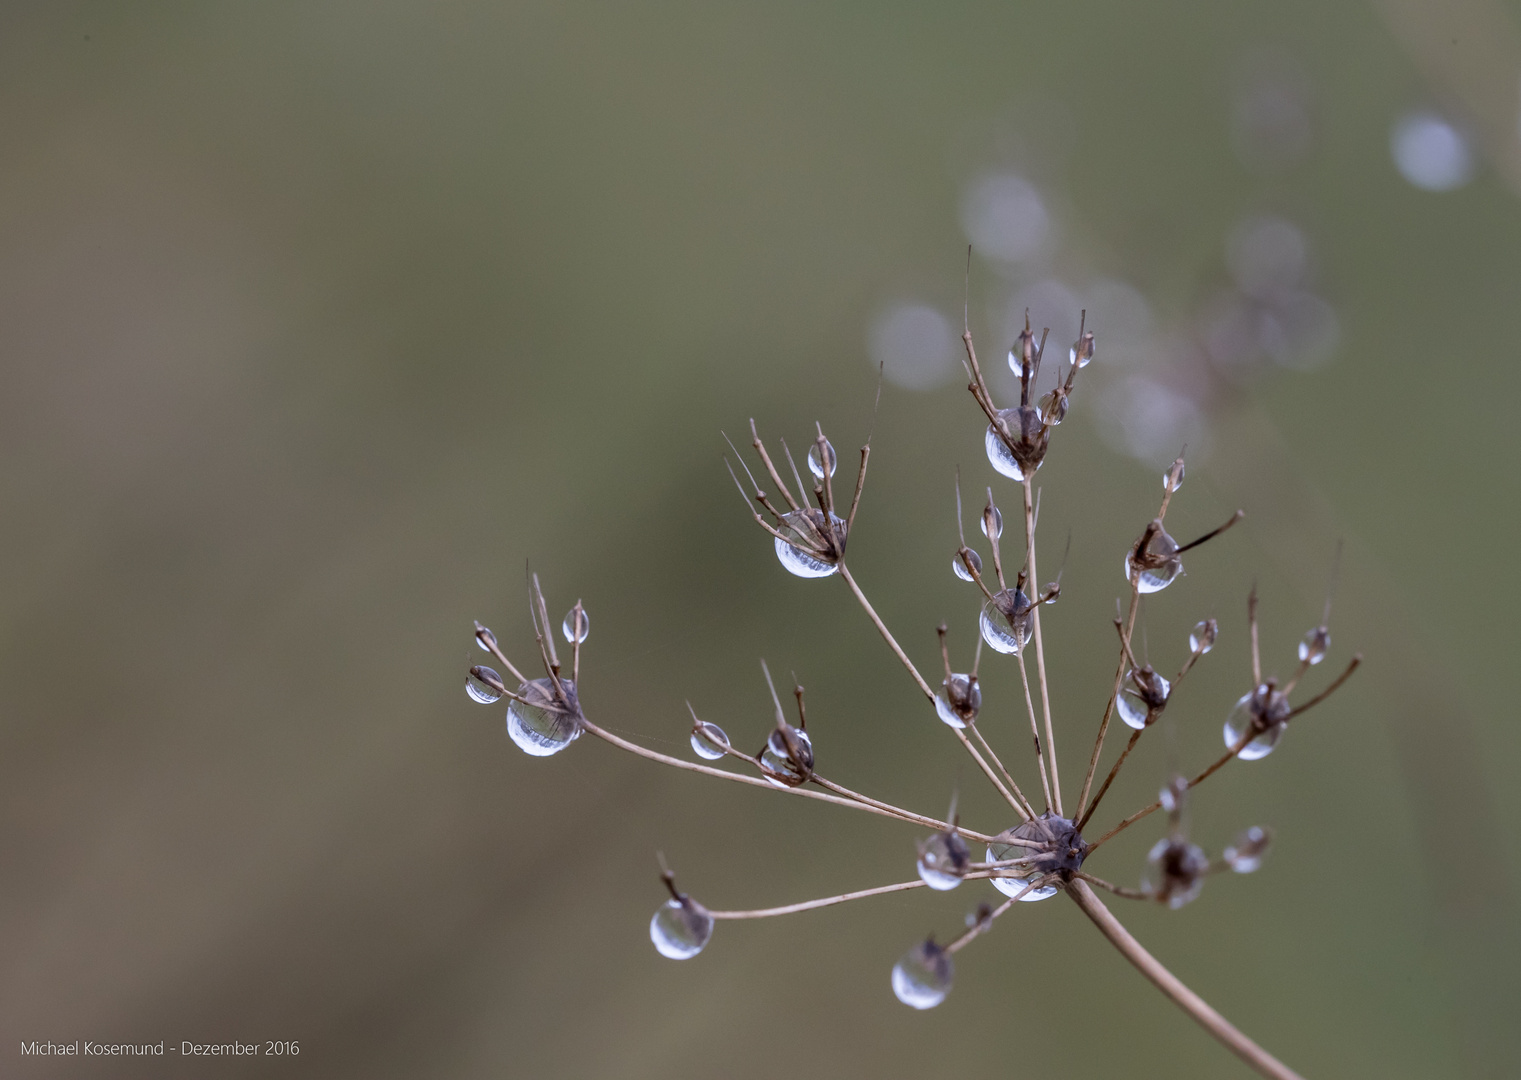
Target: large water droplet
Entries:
(569, 628)
(1312, 650)
(546, 726)
(1203, 637)
(1026, 430)
(943, 860)
(1175, 872)
(479, 689)
(1264, 708)
(959, 701)
(794, 766)
(800, 560)
(816, 466)
(1053, 408)
(1000, 458)
(1131, 708)
(1247, 851)
(680, 930)
(1006, 621)
(922, 978)
(1014, 884)
(709, 741)
(1161, 567)
(959, 568)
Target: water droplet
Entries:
(1131, 708)
(484, 637)
(959, 568)
(1081, 353)
(681, 929)
(1028, 432)
(959, 701)
(481, 691)
(1053, 408)
(1263, 709)
(1173, 793)
(568, 627)
(816, 466)
(545, 725)
(1006, 621)
(1158, 567)
(1175, 872)
(1247, 851)
(1312, 650)
(1172, 479)
(793, 765)
(923, 977)
(943, 860)
(1013, 884)
(1203, 637)
(709, 741)
(804, 558)
(997, 525)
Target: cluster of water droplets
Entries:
(541, 724)
(1160, 566)
(798, 553)
(959, 701)
(943, 861)
(709, 741)
(1007, 621)
(1263, 709)
(680, 929)
(922, 978)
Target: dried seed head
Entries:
(1247, 851)
(1203, 637)
(1175, 871)
(943, 860)
(1048, 845)
(1261, 712)
(922, 978)
(959, 701)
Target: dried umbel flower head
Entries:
(1045, 852)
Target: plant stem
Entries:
(1218, 1026)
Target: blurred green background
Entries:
(319, 321)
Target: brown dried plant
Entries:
(1047, 851)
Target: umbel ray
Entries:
(1046, 851)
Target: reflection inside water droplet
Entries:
(569, 627)
(959, 568)
(943, 860)
(543, 724)
(816, 466)
(709, 741)
(479, 689)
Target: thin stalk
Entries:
(1191, 1003)
(907, 815)
(1029, 811)
(1119, 675)
(873, 807)
(1129, 746)
(1040, 757)
(1040, 648)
